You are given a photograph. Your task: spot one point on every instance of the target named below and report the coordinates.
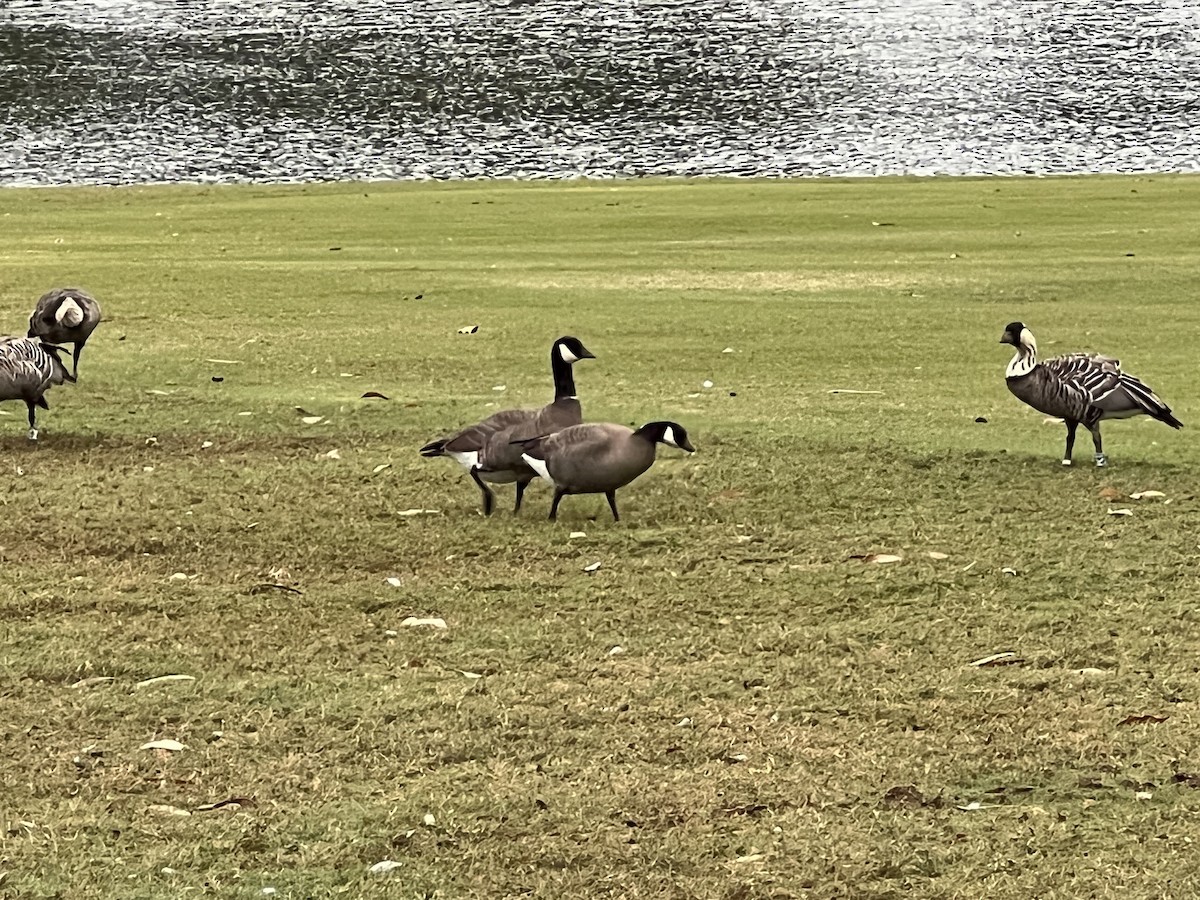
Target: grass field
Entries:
(782, 719)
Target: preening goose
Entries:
(599, 458)
(65, 316)
(29, 368)
(1078, 388)
(487, 450)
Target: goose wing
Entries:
(1114, 392)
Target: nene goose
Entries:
(486, 449)
(1078, 388)
(599, 458)
(29, 368)
(65, 316)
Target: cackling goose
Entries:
(599, 458)
(487, 449)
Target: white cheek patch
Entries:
(669, 436)
(466, 460)
(69, 314)
(567, 355)
(538, 465)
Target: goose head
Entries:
(570, 350)
(1017, 334)
(670, 433)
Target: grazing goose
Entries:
(486, 449)
(599, 458)
(1078, 388)
(65, 316)
(29, 368)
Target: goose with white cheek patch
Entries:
(29, 368)
(1079, 388)
(599, 458)
(65, 316)
(486, 449)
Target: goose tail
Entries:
(434, 448)
(1149, 402)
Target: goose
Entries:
(28, 368)
(599, 458)
(65, 316)
(1078, 388)
(486, 450)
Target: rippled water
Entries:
(152, 90)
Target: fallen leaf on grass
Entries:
(301, 411)
(1051, 420)
(752, 857)
(332, 454)
(394, 582)
(415, 622)
(879, 558)
(1120, 512)
(1005, 658)
(312, 420)
(379, 468)
(226, 362)
(164, 744)
(472, 675)
(577, 534)
(417, 512)
(429, 820)
(851, 391)
(1147, 719)
(1110, 493)
(1142, 495)
(1008, 570)
(1090, 670)
(273, 586)
(236, 802)
(934, 554)
(975, 805)
(159, 393)
(592, 568)
(163, 810)
(90, 682)
(1142, 795)
(163, 679)
(384, 866)
(374, 395)
(468, 329)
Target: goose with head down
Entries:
(599, 458)
(65, 316)
(486, 449)
(1079, 388)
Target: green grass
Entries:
(785, 720)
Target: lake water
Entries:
(118, 91)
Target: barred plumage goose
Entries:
(1079, 388)
(486, 449)
(28, 368)
(65, 316)
(599, 458)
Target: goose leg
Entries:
(559, 493)
(521, 485)
(33, 432)
(1070, 451)
(612, 504)
(489, 499)
(1101, 459)
(75, 356)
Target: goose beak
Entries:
(686, 445)
(587, 354)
